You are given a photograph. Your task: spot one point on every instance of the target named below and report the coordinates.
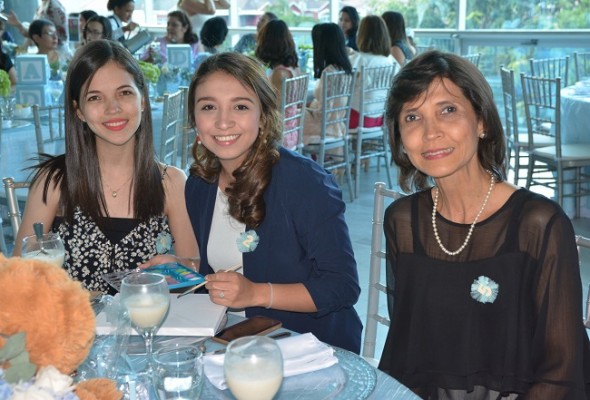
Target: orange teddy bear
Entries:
(55, 313)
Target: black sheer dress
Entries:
(502, 319)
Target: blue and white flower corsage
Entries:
(484, 290)
(248, 241)
(163, 243)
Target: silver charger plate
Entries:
(351, 379)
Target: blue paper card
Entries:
(177, 275)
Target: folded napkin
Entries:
(301, 354)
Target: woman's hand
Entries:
(159, 259)
(232, 289)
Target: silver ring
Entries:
(222, 294)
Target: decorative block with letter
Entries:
(32, 94)
(32, 69)
(180, 55)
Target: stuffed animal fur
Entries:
(54, 311)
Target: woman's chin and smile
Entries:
(116, 132)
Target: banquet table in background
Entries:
(575, 128)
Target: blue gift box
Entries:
(180, 55)
(32, 94)
(32, 69)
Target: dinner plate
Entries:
(351, 379)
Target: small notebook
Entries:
(190, 315)
(177, 275)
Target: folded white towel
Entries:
(301, 354)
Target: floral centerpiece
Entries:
(5, 84)
(150, 71)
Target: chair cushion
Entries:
(369, 122)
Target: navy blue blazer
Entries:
(303, 239)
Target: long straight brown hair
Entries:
(77, 172)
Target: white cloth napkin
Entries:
(301, 354)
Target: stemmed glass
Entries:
(253, 368)
(56, 88)
(48, 247)
(146, 298)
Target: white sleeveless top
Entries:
(222, 249)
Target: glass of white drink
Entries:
(47, 247)
(146, 298)
(179, 372)
(253, 368)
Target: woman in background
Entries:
(43, 33)
(276, 49)
(247, 42)
(50, 10)
(98, 27)
(349, 23)
(374, 46)
(178, 31)
(113, 204)
(213, 35)
(7, 65)
(329, 54)
(401, 48)
(199, 11)
(121, 18)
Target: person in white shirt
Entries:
(373, 51)
(200, 11)
(121, 18)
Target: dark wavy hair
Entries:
(275, 45)
(246, 202)
(329, 48)
(190, 37)
(413, 80)
(77, 172)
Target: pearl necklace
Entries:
(460, 249)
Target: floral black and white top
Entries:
(124, 243)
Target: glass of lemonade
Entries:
(49, 247)
(146, 298)
(253, 368)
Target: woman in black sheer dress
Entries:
(486, 293)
